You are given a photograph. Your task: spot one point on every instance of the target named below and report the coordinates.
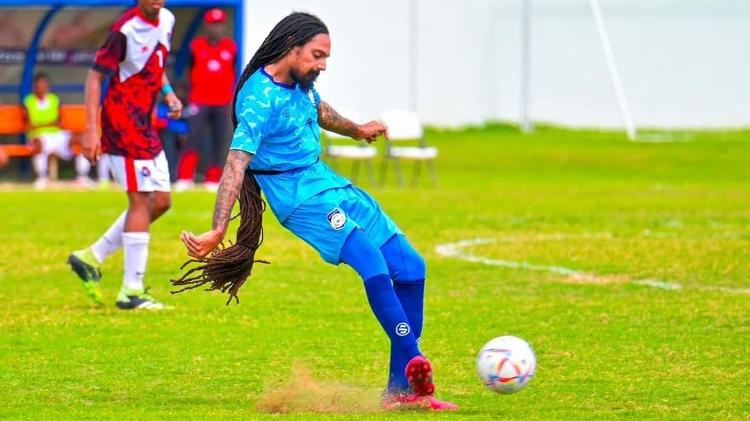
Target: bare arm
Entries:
(332, 121)
(92, 96)
(26, 119)
(229, 189)
(174, 103)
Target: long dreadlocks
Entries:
(227, 268)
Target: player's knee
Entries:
(413, 268)
(164, 205)
(138, 202)
(405, 264)
(161, 205)
(419, 266)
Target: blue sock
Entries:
(411, 297)
(390, 314)
(407, 269)
(365, 258)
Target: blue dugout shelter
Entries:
(189, 18)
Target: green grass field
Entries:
(607, 347)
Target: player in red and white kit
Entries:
(134, 56)
(213, 57)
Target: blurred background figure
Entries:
(70, 34)
(42, 114)
(172, 132)
(212, 76)
(11, 35)
(103, 174)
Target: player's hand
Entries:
(370, 131)
(175, 106)
(200, 245)
(92, 145)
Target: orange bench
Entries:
(12, 123)
(72, 119)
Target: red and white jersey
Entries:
(134, 54)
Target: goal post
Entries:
(609, 56)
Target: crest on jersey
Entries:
(213, 65)
(337, 219)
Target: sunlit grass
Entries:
(592, 202)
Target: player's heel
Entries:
(419, 374)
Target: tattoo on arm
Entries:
(229, 187)
(332, 121)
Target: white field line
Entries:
(658, 284)
(458, 250)
(664, 138)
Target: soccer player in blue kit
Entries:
(277, 115)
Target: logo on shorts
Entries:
(402, 329)
(146, 172)
(337, 219)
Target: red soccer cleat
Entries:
(413, 401)
(419, 374)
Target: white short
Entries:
(142, 175)
(57, 144)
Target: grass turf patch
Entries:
(673, 211)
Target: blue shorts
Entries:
(325, 220)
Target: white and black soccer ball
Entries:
(506, 364)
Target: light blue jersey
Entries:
(278, 123)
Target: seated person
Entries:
(42, 114)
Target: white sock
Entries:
(111, 241)
(136, 255)
(82, 166)
(39, 162)
(102, 169)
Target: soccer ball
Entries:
(506, 364)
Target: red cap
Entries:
(215, 16)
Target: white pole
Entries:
(526, 126)
(413, 55)
(613, 72)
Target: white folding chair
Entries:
(357, 153)
(404, 126)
